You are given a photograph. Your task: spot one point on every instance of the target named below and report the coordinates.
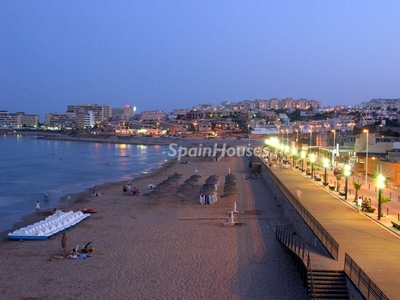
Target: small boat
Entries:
(88, 211)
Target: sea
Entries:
(32, 167)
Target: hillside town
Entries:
(366, 132)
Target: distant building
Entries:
(153, 115)
(127, 110)
(18, 120)
(60, 120)
(100, 112)
(85, 120)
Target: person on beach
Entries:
(94, 191)
(37, 207)
(358, 203)
(64, 243)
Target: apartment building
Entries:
(17, 120)
(100, 112)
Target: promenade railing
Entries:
(300, 249)
(326, 239)
(365, 285)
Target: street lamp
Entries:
(326, 165)
(303, 156)
(297, 139)
(334, 147)
(287, 137)
(380, 184)
(313, 157)
(346, 173)
(310, 136)
(294, 153)
(248, 133)
(366, 158)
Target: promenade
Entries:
(374, 245)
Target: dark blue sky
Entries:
(176, 54)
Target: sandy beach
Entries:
(161, 248)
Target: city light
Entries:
(380, 183)
(313, 158)
(346, 173)
(366, 158)
(303, 155)
(325, 162)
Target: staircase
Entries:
(328, 284)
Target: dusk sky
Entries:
(176, 54)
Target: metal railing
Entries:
(300, 249)
(326, 239)
(361, 280)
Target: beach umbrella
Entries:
(165, 183)
(191, 181)
(211, 180)
(230, 188)
(229, 180)
(179, 195)
(155, 194)
(208, 189)
(176, 176)
(196, 176)
(232, 183)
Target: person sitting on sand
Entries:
(73, 254)
(124, 189)
(88, 248)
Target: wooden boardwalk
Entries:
(375, 248)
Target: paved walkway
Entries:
(374, 246)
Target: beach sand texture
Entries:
(162, 248)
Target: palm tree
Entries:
(357, 186)
(338, 177)
(384, 200)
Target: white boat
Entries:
(50, 226)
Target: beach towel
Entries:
(84, 256)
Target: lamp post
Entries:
(326, 165)
(334, 147)
(313, 157)
(303, 156)
(248, 133)
(294, 153)
(297, 138)
(310, 136)
(287, 137)
(346, 173)
(366, 158)
(381, 184)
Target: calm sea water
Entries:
(30, 167)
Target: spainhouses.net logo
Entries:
(215, 151)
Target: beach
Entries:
(163, 247)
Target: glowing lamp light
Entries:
(346, 173)
(325, 163)
(313, 158)
(380, 180)
(346, 170)
(303, 156)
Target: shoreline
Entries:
(162, 247)
(184, 142)
(76, 200)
